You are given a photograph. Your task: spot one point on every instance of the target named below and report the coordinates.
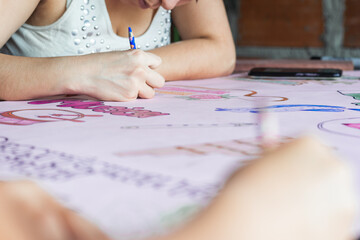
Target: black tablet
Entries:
(296, 73)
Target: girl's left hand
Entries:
(29, 213)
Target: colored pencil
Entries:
(268, 127)
(131, 39)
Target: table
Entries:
(142, 167)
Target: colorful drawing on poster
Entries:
(255, 94)
(181, 90)
(207, 97)
(290, 108)
(346, 127)
(34, 162)
(273, 81)
(194, 93)
(353, 125)
(205, 93)
(98, 106)
(352, 93)
(25, 117)
(180, 215)
(232, 148)
(189, 125)
(237, 147)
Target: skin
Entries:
(207, 50)
(298, 191)
(40, 217)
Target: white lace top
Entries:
(84, 28)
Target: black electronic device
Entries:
(296, 73)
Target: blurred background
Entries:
(296, 29)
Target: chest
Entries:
(89, 26)
(122, 15)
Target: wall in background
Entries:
(295, 28)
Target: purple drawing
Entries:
(43, 163)
(346, 127)
(290, 108)
(99, 106)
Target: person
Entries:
(52, 47)
(297, 191)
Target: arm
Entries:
(113, 76)
(117, 76)
(207, 48)
(15, 13)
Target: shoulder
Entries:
(14, 13)
(47, 12)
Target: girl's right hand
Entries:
(113, 76)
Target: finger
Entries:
(115, 91)
(53, 226)
(152, 60)
(169, 4)
(154, 79)
(82, 229)
(146, 91)
(114, 96)
(146, 58)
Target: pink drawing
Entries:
(195, 93)
(183, 89)
(98, 106)
(236, 147)
(353, 125)
(16, 121)
(26, 117)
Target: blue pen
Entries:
(131, 39)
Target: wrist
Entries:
(66, 75)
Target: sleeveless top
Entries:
(84, 28)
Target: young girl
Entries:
(52, 47)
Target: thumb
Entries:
(152, 60)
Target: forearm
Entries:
(25, 78)
(196, 58)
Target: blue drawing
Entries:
(290, 108)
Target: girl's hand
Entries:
(298, 191)
(28, 213)
(114, 76)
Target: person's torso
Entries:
(85, 28)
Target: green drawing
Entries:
(207, 97)
(179, 216)
(282, 82)
(355, 96)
